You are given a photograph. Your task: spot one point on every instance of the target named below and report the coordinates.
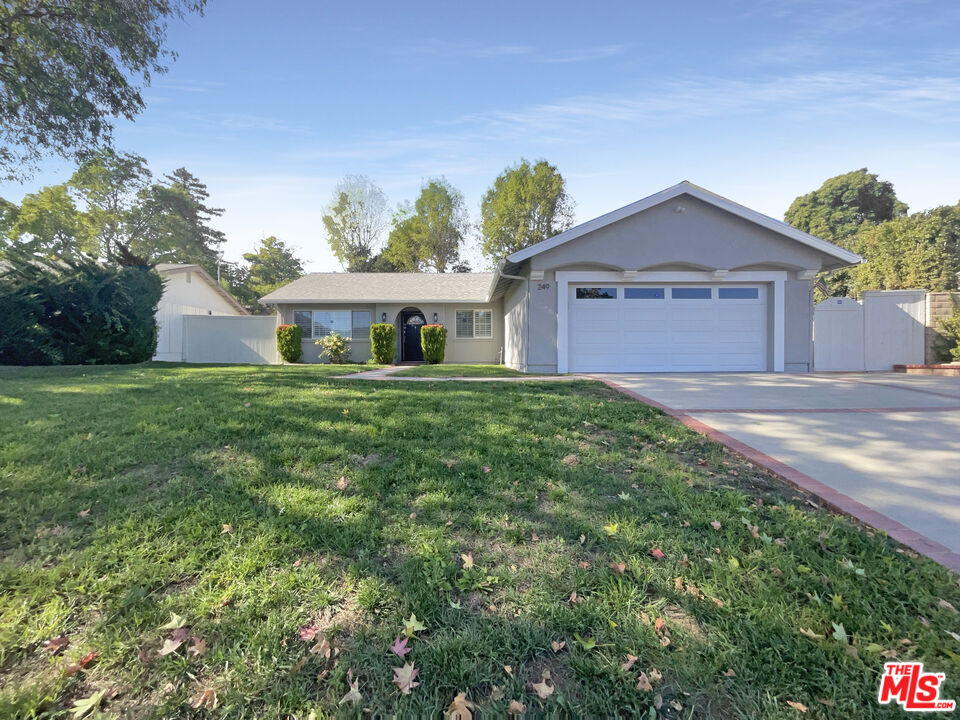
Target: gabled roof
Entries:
(383, 288)
(177, 268)
(688, 188)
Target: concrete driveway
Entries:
(889, 441)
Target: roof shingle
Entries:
(384, 287)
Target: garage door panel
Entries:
(642, 334)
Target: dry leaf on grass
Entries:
(403, 677)
(631, 659)
(459, 709)
(729, 673)
(198, 648)
(619, 567)
(353, 694)
(643, 683)
(542, 689)
(571, 460)
(715, 525)
(399, 647)
(226, 528)
(797, 706)
(558, 646)
(516, 708)
(944, 605)
(55, 645)
(657, 553)
(207, 699)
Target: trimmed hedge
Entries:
(288, 342)
(76, 311)
(383, 343)
(433, 340)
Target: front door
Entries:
(410, 323)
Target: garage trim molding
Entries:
(776, 277)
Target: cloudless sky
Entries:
(760, 101)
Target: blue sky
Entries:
(271, 103)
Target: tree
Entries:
(47, 222)
(837, 210)
(525, 205)
(111, 186)
(429, 235)
(272, 265)
(355, 221)
(67, 67)
(917, 251)
(134, 221)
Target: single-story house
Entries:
(187, 290)
(681, 281)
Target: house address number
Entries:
(543, 286)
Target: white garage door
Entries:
(667, 328)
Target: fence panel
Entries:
(237, 339)
(838, 335)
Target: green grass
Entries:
(163, 457)
(444, 371)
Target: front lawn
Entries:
(251, 537)
(444, 371)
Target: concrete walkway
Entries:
(883, 447)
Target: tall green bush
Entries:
(433, 340)
(76, 311)
(383, 343)
(288, 342)
(948, 345)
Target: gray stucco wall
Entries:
(457, 351)
(701, 237)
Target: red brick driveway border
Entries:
(834, 500)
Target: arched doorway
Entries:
(411, 320)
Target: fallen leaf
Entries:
(175, 623)
(460, 708)
(308, 632)
(558, 646)
(729, 673)
(413, 515)
(535, 537)
(508, 670)
(797, 706)
(643, 682)
(755, 532)
(685, 563)
(574, 598)
(403, 678)
(467, 560)
(811, 634)
(657, 553)
(85, 705)
(451, 463)
(571, 460)
(412, 626)
(198, 648)
(399, 647)
(678, 584)
(342, 483)
(55, 645)
(587, 643)
(83, 513)
(486, 469)
(715, 525)
(207, 699)
(611, 529)
(170, 645)
(654, 675)
(944, 605)
(542, 689)
(631, 659)
(516, 708)
(684, 524)
(298, 666)
(583, 564)
(496, 694)
(583, 539)
(619, 567)
(324, 649)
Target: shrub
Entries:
(383, 343)
(288, 342)
(948, 345)
(335, 347)
(433, 339)
(76, 311)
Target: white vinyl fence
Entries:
(886, 328)
(235, 339)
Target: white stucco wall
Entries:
(184, 293)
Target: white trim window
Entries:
(474, 324)
(320, 323)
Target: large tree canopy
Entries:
(355, 222)
(272, 265)
(837, 209)
(47, 223)
(134, 221)
(918, 251)
(526, 204)
(428, 236)
(67, 67)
